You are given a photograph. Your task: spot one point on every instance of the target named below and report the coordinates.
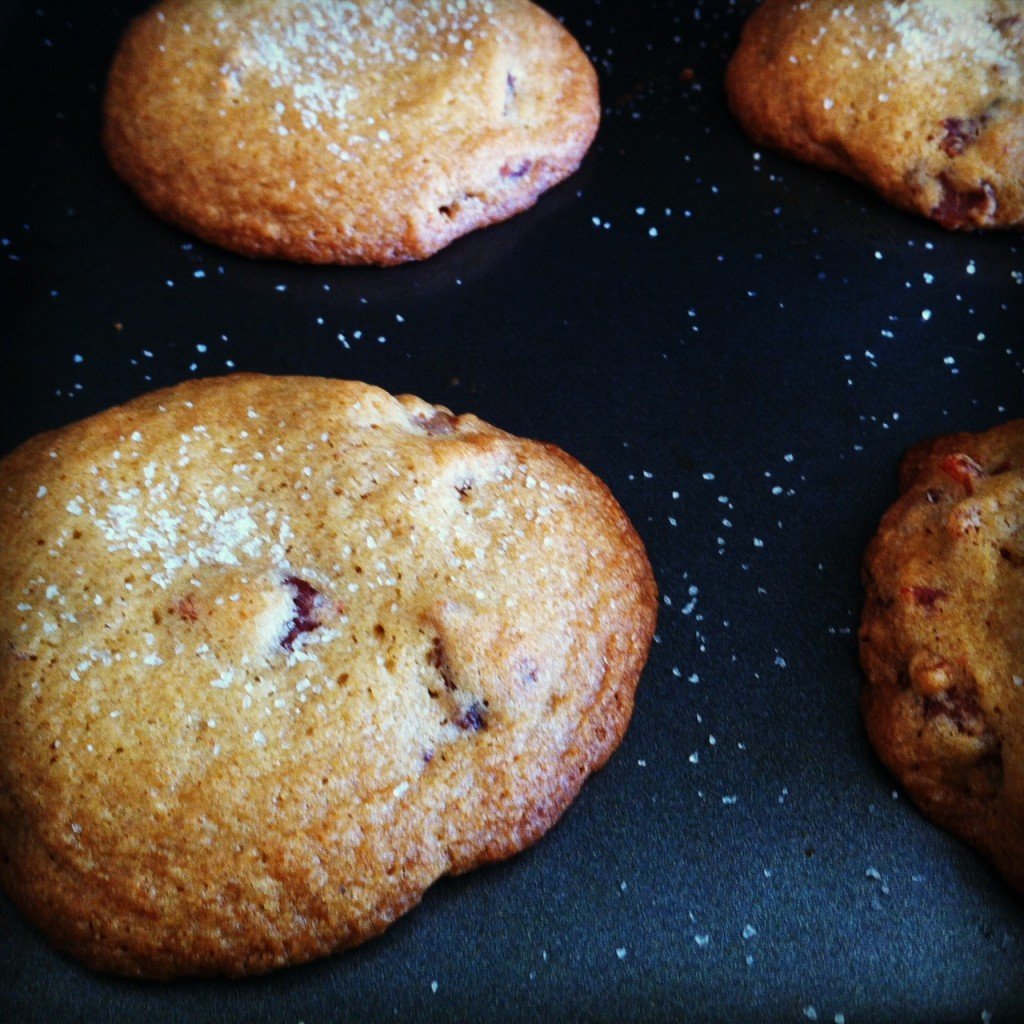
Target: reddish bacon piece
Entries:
(304, 620)
(961, 132)
(959, 208)
(926, 597)
(963, 469)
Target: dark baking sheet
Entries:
(742, 348)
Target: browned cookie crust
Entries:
(374, 131)
(921, 99)
(942, 641)
(277, 653)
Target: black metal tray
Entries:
(741, 347)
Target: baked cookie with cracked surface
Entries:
(370, 131)
(277, 653)
(923, 100)
(941, 640)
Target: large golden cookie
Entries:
(323, 131)
(278, 653)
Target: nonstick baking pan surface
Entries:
(742, 348)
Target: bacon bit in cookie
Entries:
(474, 718)
(305, 600)
(961, 132)
(959, 706)
(437, 658)
(963, 469)
(925, 597)
(438, 423)
(957, 207)
(186, 609)
(523, 167)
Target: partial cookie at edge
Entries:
(941, 641)
(923, 102)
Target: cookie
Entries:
(923, 100)
(372, 131)
(942, 639)
(279, 652)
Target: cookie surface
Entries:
(942, 639)
(277, 653)
(923, 99)
(364, 132)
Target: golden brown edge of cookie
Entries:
(754, 106)
(480, 206)
(970, 818)
(773, 118)
(603, 725)
(600, 729)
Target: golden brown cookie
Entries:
(371, 131)
(942, 641)
(921, 99)
(279, 652)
